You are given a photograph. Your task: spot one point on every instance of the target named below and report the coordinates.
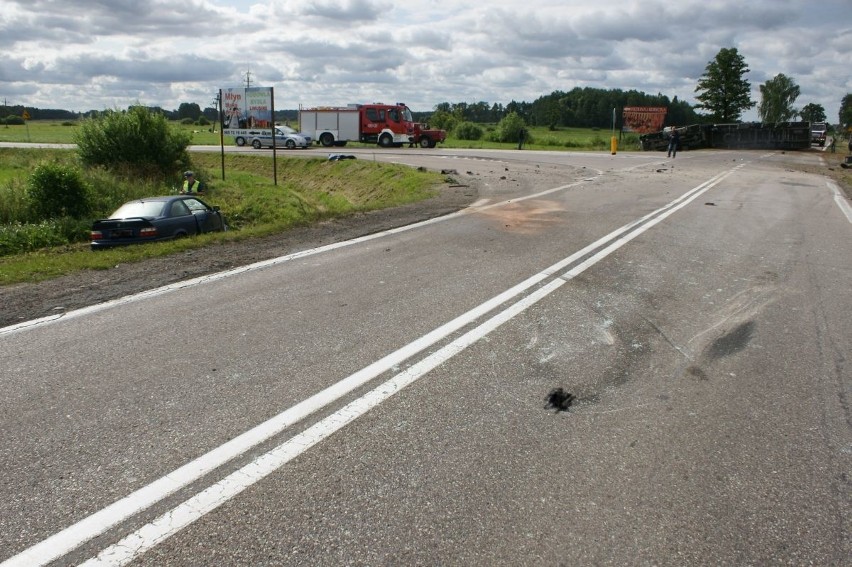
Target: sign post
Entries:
(26, 116)
(613, 143)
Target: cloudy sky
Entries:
(97, 54)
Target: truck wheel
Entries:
(386, 141)
(256, 144)
(240, 141)
(425, 142)
(327, 139)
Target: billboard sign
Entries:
(244, 108)
(643, 119)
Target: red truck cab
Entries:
(427, 137)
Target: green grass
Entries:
(559, 139)
(63, 132)
(565, 139)
(308, 190)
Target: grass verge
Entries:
(308, 190)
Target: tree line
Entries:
(584, 107)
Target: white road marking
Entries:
(176, 519)
(841, 201)
(265, 263)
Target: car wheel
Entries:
(240, 141)
(386, 141)
(290, 144)
(256, 144)
(425, 142)
(327, 139)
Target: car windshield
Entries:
(138, 209)
(406, 115)
(195, 205)
(286, 129)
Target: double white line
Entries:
(166, 525)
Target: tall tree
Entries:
(723, 89)
(189, 110)
(777, 96)
(813, 112)
(845, 114)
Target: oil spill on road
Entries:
(733, 341)
(559, 400)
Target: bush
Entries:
(509, 129)
(443, 120)
(13, 201)
(56, 191)
(202, 121)
(187, 121)
(17, 238)
(14, 120)
(468, 131)
(137, 142)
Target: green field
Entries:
(565, 139)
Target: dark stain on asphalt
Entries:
(559, 400)
(696, 372)
(732, 342)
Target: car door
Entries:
(206, 217)
(179, 220)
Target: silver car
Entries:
(287, 141)
(285, 130)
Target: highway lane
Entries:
(705, 349)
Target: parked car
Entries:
(283, 139)
(287, 130)
(156, 218)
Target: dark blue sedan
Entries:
(156, 218)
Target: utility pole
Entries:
(248, 79)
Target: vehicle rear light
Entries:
(96, 235)
(148, 232)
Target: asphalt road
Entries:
(607, 360)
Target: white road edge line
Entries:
(840, 199)
(265, 263)
(75, 535)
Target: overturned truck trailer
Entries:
(749, 135)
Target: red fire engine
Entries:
(388, 125)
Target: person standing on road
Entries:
(674, 141)
(191, 185)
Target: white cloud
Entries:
(94, 54)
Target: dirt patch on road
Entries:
(831, 167)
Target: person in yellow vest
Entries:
(191, 185)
